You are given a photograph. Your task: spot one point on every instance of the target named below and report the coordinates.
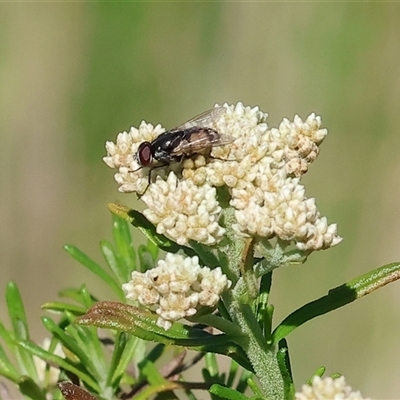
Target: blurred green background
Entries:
(73, 75)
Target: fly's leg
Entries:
(150, 178)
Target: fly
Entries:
(191, 138)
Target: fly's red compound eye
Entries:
(143, 155)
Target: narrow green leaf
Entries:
(87, 298)
(212, 365)
(125, 252)
(145, 259)
(75, 294)
(153, 249)
(152, 374)
(7, 369)
(243, 382)
(232, 373)
(227, 393)
(154, 355)
(119, 348)
(116, 264)
(254, 387)
(150, 391)
(190, 395)
(143, 324)
(205, 254)
(338, 297)
(29, 388)
(19, 322)
(89, 341)
(69, 342)
(139, 221)
(7, 336)
(57, 306)
(16, 311)
(319, 372)
(92, 266)
(233, 351)
(286, 370)
(264, 312)
(129, 354)
(222, 324)
(63, 363)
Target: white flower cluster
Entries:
(122, 155)
(261, 168)
(177, 287)
(328, 389)
(184, 211)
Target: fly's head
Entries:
(144, 154)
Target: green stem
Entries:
(261, 354)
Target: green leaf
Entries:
(63, 363)
(87, 298)
(153, 249)
(7, 369)
(264, 312)
(149, 391)
(139, 221)
(16, 311)
(152, 374)
(116, 264)
(319, 372)
(29, 388)
(92, 266)
(88, 340)
(227, 393)
(145, 258)
(338, 297)
(244, 381)
(212, 365)
(7, 336)
(222, 324)
(76, 294)
(130, 353)
(143, 324)
(286, 370)
(69, 342)
(57, 306)
(19, 322)
(123, 243)
(205, 254)
(119, 348)
(254, 388)
(232, 373)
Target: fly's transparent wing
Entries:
(204, 119)
(200, 140)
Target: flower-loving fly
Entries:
(191, 138)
